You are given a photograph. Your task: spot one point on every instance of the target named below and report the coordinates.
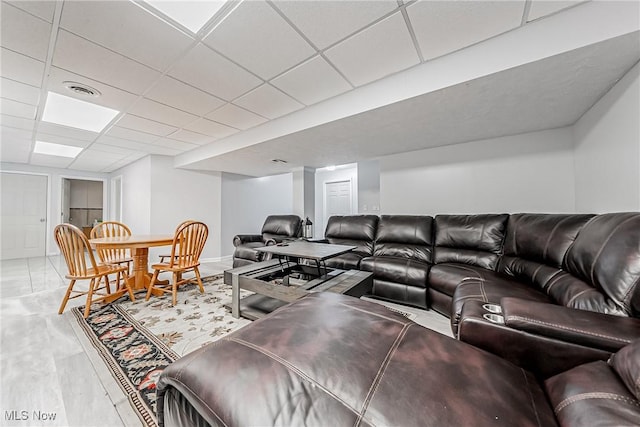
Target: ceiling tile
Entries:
(64, 140)
(33, 43)
(133, 135)
(14, 134)
(237, 117)
(161, 113)
(18, 109)
(268, 102)
(67, 132)
(21, 68)
(124, 143)
(172, 92)
(17, 122)
(270, 47)
(209, 71)
(191, 137)
(141, 124)
(327, 82)
(111, 149)
(444, 27)
(115, 24)
(15, 151)
(540, 8)
(97, 63)
(110, 96)
(93, 160)
(50, 161)
(177, 145)
(19, 91)
(41, 9)
(376, 52)
(345, 17)
(210, 128)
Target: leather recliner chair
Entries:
(276, 228)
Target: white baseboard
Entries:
(227, 258)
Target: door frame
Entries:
(105, 193)
(325, 219)
(48, 216)
(113, 215)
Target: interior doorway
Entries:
(23, 215)
(82, 203)
(337, 199)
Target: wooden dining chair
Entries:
(82, 265)
(188, 243)
(116, 255)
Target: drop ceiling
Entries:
(277, 79)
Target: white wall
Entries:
(323, 176)
(136, 195)
(531, 172)
(607, 150)
(369, 187)
(247, 201)
(178, 195)
(54, 202)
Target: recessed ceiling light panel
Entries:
(56, 149)
(192, 14)
(67, 111)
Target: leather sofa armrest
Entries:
(586, 328)
(246, 238)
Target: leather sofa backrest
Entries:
(279, 226)
(354, 230)
(606, 255)
(405, 236)
(470, 239)
(535, 246)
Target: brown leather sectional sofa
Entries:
(334, 360)
(553, 299)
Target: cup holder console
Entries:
(492, 308)
(495, 318)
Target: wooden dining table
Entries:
(139, 246)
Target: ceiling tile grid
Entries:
(269, 48)
(443, 27)
(268, 102)
(253, 62)
(327, 82)
(378, 51)
(33, 43)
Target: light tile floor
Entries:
(46, 378)
(43, 367)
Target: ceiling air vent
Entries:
(278, 161)
(81, 89)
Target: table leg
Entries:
(235, 296)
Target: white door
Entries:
(24, 215)
(337, 199)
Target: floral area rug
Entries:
(137, 340)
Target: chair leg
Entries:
(87, 306)
(174, 288)
(66, 296)
(195, 270)
(153, 282)
(106, 283)
(125, 278)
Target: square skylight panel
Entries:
(75, 113)
(51, 149)
(191, 14)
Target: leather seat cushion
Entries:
(334, 360)
(348, 261)
(397, 269)
(592, 394)
(446, 277)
